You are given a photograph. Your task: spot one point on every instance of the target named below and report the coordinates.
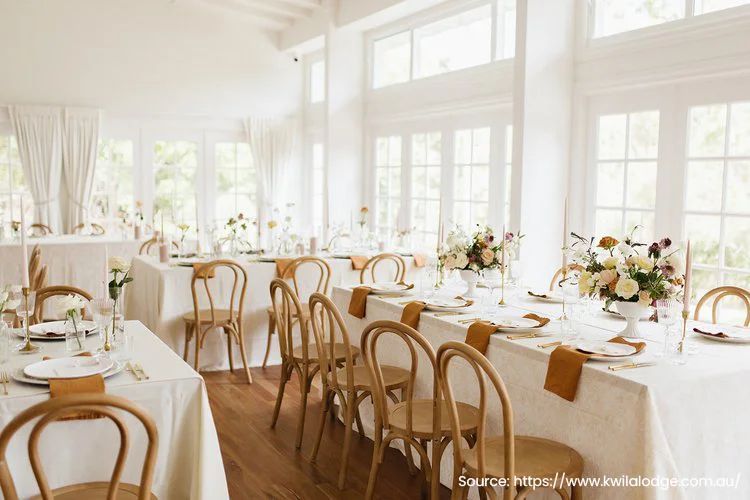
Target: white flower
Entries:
(610, 262)
(625, 249)
(69, 303)
(118, 264)
(626, 288)
(586, 283)
(450, 262)
(16, 289)
(461, 260)
(487, 256)
(644, 298)
(12, 304)
(643, 262)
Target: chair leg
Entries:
(197, 336)
(271, 328)
(229, 350)
(321, 425)
(243, 354)
(576, 492)
(188, 329)
(285, 373)
(302, 410)
(407, 446)
(563, 493)
(375, 465)
(348, 425)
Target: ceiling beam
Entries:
(258, 17)
(278, 8)
(307, 4)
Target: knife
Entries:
(628, 366)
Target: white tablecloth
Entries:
(671, 421)
(160, 295)
(189, 464)
(70, 259)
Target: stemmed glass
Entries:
(102, 309)
(24, 311)
(667, 312)
(570, 297)
(492, 280)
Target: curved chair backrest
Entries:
(413, 339)
(39, 229)
(286, 309)
(153, 242)
(318, 266)
(329, 328)
(236, 299)
(481, 367)
(721, 293)
(96, 229)
(37, 272)
(56, 408)
(43, 294)
(557, 277)
(392, 259)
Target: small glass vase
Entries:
(74, 332)
(117, 331)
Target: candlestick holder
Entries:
(27, 347)
(502, 285)
(685, 314)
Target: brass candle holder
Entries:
(685, 314)
(27, 347)
(502, 284)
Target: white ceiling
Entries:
(275, 15)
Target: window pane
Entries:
(225, 155)
(617, 16)
(318, 81)
(611, 140)
(704, 180)
(480, 183)
(419, 182)
(610, 180)
(434, 151)
(462, 182)
(704, 6)
(453, 43)
(394, 150)
(644, 135)
(391, 60)
(481, 146)
(433, 182)
(736, 245)
(608, 222)
(462, 146)
(739, 126)
(395, 182)
(641, 224)
(381, 151)
(738, 187)
(506, 29)
(703, 231)
(641, 185)
(707, 130)
(418, 149)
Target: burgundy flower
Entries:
(654, 248)
(665, 243)
(508, 236)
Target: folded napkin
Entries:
(197, 267)
(410, 314)
(720, 335)
(565, 366)
(85, 385)
(478, 335)
(420, 259)
(358, 302)
(281, 265)
(358, 261)
(540, 295)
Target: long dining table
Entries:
(665, 422)
(189, 463)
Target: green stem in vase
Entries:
(72, 316)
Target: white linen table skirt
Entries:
(74, 260)
(666, 421)
(160, 294)
(189, 463)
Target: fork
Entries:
(139, 367)
(132, 370)
(5, 380)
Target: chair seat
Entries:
(339, 350)
(393, 376)
(222, 316)
(422, 417)
(94, 491)
(534, 457)
(305, 311)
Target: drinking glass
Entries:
(4, 342)
(492, 280)
(101, 308)
(667, 314)
(570, 303)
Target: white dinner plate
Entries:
(514, 324)
(192, 260)
(734, 334)
(447, 304)
(19, 376)
(545, 296)
(390, 288)
(605, 351)
(69, 367)
(56, 330)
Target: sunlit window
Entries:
(112, 191)
(426, 168)
(387, 184)
(392, 60)
(175, 167)
(508, 172)
(318, 185)
(706, 6)
(506, 29)
(318, 81)
(236, 183)
(626, 162)
(12, 183)
(471, 177)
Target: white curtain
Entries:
(38, 133)
(80, 140)
(271, 143)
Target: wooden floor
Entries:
(261, 462)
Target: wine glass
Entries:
(492, 280)
(102, 310)
(666, 312)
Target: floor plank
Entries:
(261, 462)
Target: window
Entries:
(508, 173)
(426, 168)
(705, 6)
(506, 29)
(392, 60)
(388, 184)
(626, 163)
(12, 183)
(318, 186)
(717, 204)
(112, 191)
(318, 81)
(453, 43)
(236, 182)
(471, 177)
(175, 167)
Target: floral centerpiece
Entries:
(70, 307)
(120, 270)
(234, 225)
(471, 255)
(184, 228)
(627, 273)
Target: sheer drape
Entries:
(38, 133)
(80, 140)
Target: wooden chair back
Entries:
(153, 242)
(43, 294)
(557, 277)
(320, 268)
(286, 309)
(96, 229)
(413, 340)
(239, 289)
(329, 329)
(392, 259)
(39, 229)
(483, 370)
(721, 293)
(56, 408)
(37, 272)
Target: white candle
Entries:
(504, 263)
(106, 266)
(565, 237)
(688, 275)
(24, 251)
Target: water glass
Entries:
(570, 303)
(667, 313)
(4, 343)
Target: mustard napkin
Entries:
(420, 260)
(358, 261)
(85, 385)
(478, 335)
(197, 267)
(358, 302)
(410, 314)
(281, 266)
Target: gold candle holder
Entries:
(28, 347)
(502, 284)
(564, 316)
(685, 314)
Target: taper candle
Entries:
(24, 251)
(688, 276)
(565, 238)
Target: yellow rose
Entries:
(643, 262)
(610, 263)
(585, 283)
(626, 288)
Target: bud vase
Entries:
(74, 333)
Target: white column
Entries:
(542, 120)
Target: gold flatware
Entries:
(447, 313)
(143, 372)
(522, 336)
(628, 366)
(5, 380)
(550, 344)
(132, 370)
(469, 320)
(390, 296)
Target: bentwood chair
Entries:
(320, 271)
(199, 322)
(350, 383)
(96, 229)
(46, 293)
(39, 229)
(303, 359)
(37, 272)
(557, 277)
(719, 294)
(506, 456)
(413, 421)
(153, 242)
(111, 407)
(387, 260)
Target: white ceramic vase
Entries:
(632, 312)
(471, 278)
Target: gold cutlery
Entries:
(447, 313)
(5, 380)
(469, 320)
(133, 371)
(550, 344)
(140, 368)
(522, 336)
(627, 366)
